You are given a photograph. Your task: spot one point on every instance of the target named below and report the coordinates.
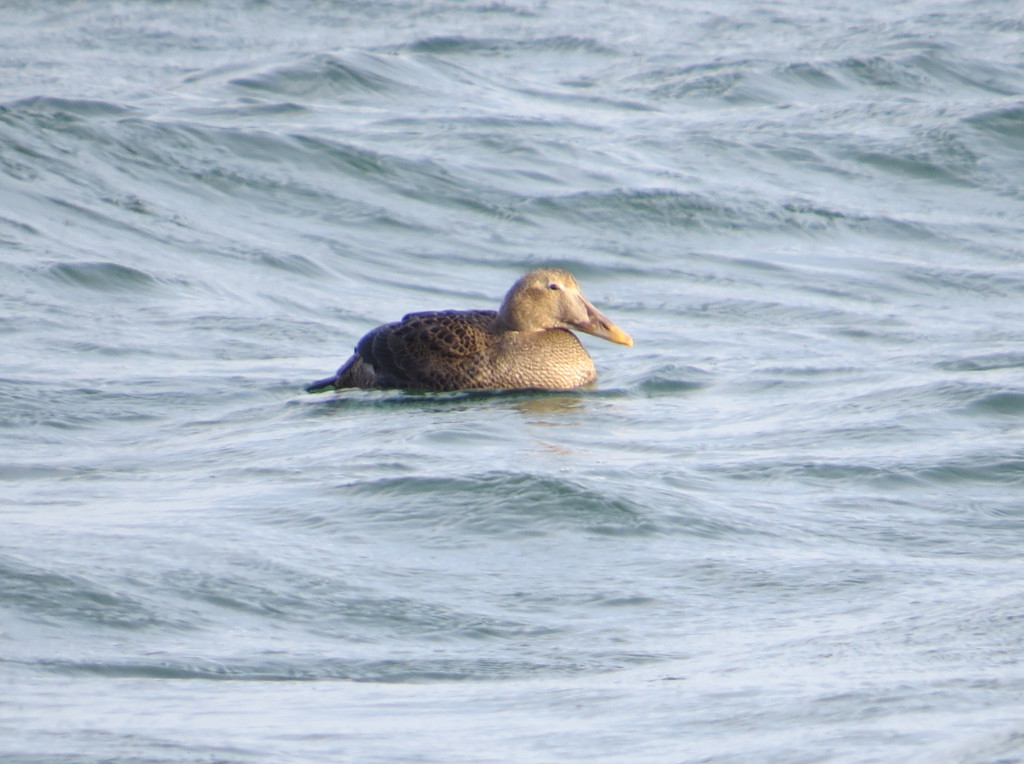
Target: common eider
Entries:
(526, 343)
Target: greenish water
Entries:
(785, 526)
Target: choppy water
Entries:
(786, 526)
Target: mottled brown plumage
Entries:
(526, 343)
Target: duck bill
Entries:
(598, 324)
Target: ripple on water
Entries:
(102, 277)
(1007, 403)
(55, 598)
(983, 362)
(670, 379)
(494, 504)
(312, 668)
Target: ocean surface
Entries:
(786, 526)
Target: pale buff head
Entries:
(550, 298)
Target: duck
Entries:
(527, 343)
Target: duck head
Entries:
(550, 298)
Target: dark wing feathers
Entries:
(434, 351)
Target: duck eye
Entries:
(553, 286)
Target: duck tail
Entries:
(327, 383)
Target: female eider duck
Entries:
(526, 343)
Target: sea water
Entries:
(785, 526)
